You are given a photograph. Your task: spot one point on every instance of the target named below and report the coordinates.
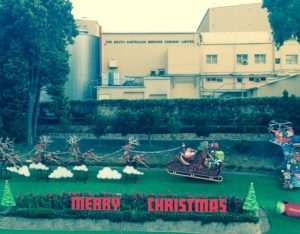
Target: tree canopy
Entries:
(33, 39)
(284, 18)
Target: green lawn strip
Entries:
(73, 232)
(268, 190)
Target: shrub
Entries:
(133, 208)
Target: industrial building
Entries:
(84, 61)
(231, 53)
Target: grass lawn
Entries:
(268, 190)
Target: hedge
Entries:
(136, 201)
(221, 115)
(130, 215)
(134, 208)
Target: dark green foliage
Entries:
(33, 56)
(131, 215)
(200, 124)
(202, 116)
(125, 122)
(149, 121)
(133, 208)
(173, 126)
(99, 125)
(284, 19)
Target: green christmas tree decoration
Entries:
(7, 197)
(250, 203)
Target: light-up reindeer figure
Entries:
(42, 156)
(128, 158)
(8, 153)
(78, 157)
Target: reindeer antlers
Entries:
(7, 143)
(45, 139)
(133, 141)
(73, 140)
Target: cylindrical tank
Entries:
(84, 67)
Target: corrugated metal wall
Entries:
(291, 84)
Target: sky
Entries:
(148, 15)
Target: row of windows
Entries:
(238, 79)
(258, 59)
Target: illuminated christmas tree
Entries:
(250, 203)
(7, 197)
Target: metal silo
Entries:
(84, 67)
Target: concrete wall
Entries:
(139, 53)
(120, 92)
(239, 18)
(184, 60)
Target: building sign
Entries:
(153, 204)
(149, 42)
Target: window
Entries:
(291, 59)
(211, 59)
(242, 59)
(213, 79)
(257, 79)
(239, 79)
(260, 58)
(263, 79)
(277, 61)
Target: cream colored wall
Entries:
(121, 92)
(290, 47)
(204, 25)
(227, 58)
(240, 18)
(91, 26)
(157, 86)
(230, 83)
(185, 87)
(184, 60)
(138, 59)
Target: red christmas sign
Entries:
(186, 205)
(154, 204)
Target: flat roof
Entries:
(148, 32)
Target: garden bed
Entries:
(17, 223)
(132, 208)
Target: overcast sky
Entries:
(148, 15)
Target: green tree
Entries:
(33, 56)
(173, 126)
(149, 121)
(7, 197)
(200, 124)
(125, 122)
(99, 126)
(250, 203)
(284, 18)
